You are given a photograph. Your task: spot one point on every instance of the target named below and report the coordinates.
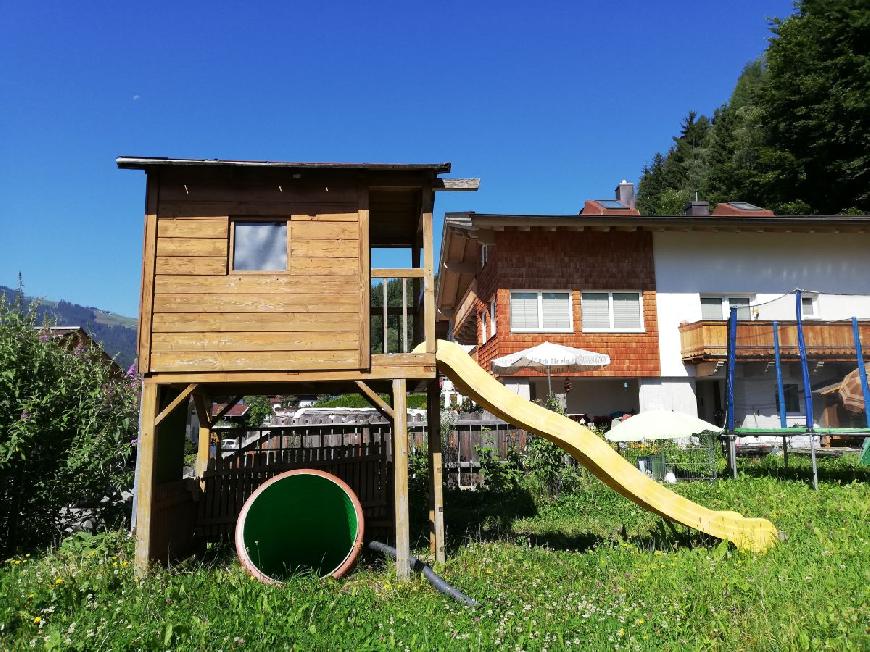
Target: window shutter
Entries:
(596, 310)
(711, 307)
(556, 307)
(626, 310)
(524, 310)
(742, 305)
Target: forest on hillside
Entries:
(116, 334)
(795, 134)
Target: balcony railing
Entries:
(825, 340)
(397, 317)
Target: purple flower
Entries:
(131, 371)
(25, 415)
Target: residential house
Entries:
(654, 294)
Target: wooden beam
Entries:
(427, 204)
(400, 478)
(469, 184)
(175, 403)
(377, 402)
(436, 471)
(146, 450)
(460, 267)
(202, 403)
(397, 272)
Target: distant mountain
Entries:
(115, 333)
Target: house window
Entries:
(484, 255)
(719, 307)
(492, 318)
(612, 311)
(541, 311)
(482, 330)
(808, 307)
(791, 392)
(259, 246)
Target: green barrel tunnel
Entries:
(300, 521)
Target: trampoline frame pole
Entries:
(808, 392)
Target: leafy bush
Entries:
(67, 421)
(416, 401)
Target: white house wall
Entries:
(766, 265)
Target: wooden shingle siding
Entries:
(579, 262)
(207, 318)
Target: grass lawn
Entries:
(585, 571)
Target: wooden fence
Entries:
(359, 454)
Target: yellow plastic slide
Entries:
(756, 534)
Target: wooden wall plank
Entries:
(300, 247)
(309, 230)
(252, 360)
(191, 322)
(337, 302)
(269, 209)
(192, 265)
(277, 283)
(327, 217)
(333, 266)
(191, 247)
(193, 227)
(254, 341)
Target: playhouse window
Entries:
(259, 246)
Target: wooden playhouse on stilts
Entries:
(256, 279)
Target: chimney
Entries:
(698, 209)
(625, 193)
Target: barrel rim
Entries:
(339, 571)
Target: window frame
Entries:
(797, 390)
(540, 328)
(725, 304)
(814, 302)
(493, 317)
(231, 245)
(612, 328)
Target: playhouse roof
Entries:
(146, 162)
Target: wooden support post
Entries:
(202, 404)
(436, 470)
(147, 455)
(400, 478)
(428, 271)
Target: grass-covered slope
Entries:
(587, 571)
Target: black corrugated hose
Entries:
(434, 579)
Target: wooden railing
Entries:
(825, 340)
(404, 317)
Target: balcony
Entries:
(833, 341)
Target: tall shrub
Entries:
(67, 421)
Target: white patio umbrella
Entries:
(551, 357)
(659, 424)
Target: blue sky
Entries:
(549, 103)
